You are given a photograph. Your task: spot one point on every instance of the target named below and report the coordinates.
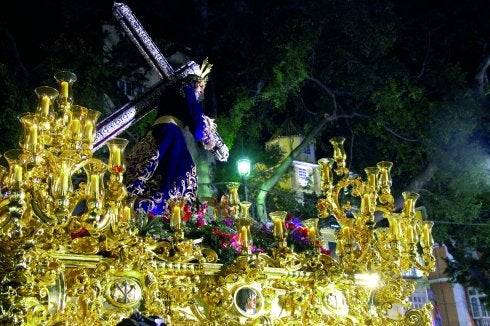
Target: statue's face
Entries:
(252, 302)
(199, 88)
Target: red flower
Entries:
(187, 213)
(289, 217)
(325, 251)
(290, 226)
(200, 222)
(118, 168)
(80, 233)
(303, 231)
(151, 215)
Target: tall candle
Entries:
(372, 180)
(45, 101)
(126, 213)
(234, 196)
(407, 208)
(94, 184)
(394, 228)
(18, 173)
(328, 174)
(116, 152)
(278, 228)
(244, 235)
(311, 234)
(410, 234)
(64, 89)
(33, 135)
(365, 204)
(65, 177)
(89, 130)
(75, 127)
(426, 233)
(384, 176)
(346, 232)
(176, 215)
(430, 240)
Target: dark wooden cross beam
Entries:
(136, 109)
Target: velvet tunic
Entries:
(160, 165)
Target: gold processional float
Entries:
(72, 253)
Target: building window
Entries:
(477, 301)
(302, 173)
(303, 176)
(418, 300)
(475, 307)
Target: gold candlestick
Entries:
(278, 218)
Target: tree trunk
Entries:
(418, 183)
(268, 184)
(481, 76)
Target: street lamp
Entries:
(244, 171)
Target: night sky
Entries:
(459, 22)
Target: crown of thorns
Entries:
(202, 72)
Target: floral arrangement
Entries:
(220, 234)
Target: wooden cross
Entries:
(136, 109)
